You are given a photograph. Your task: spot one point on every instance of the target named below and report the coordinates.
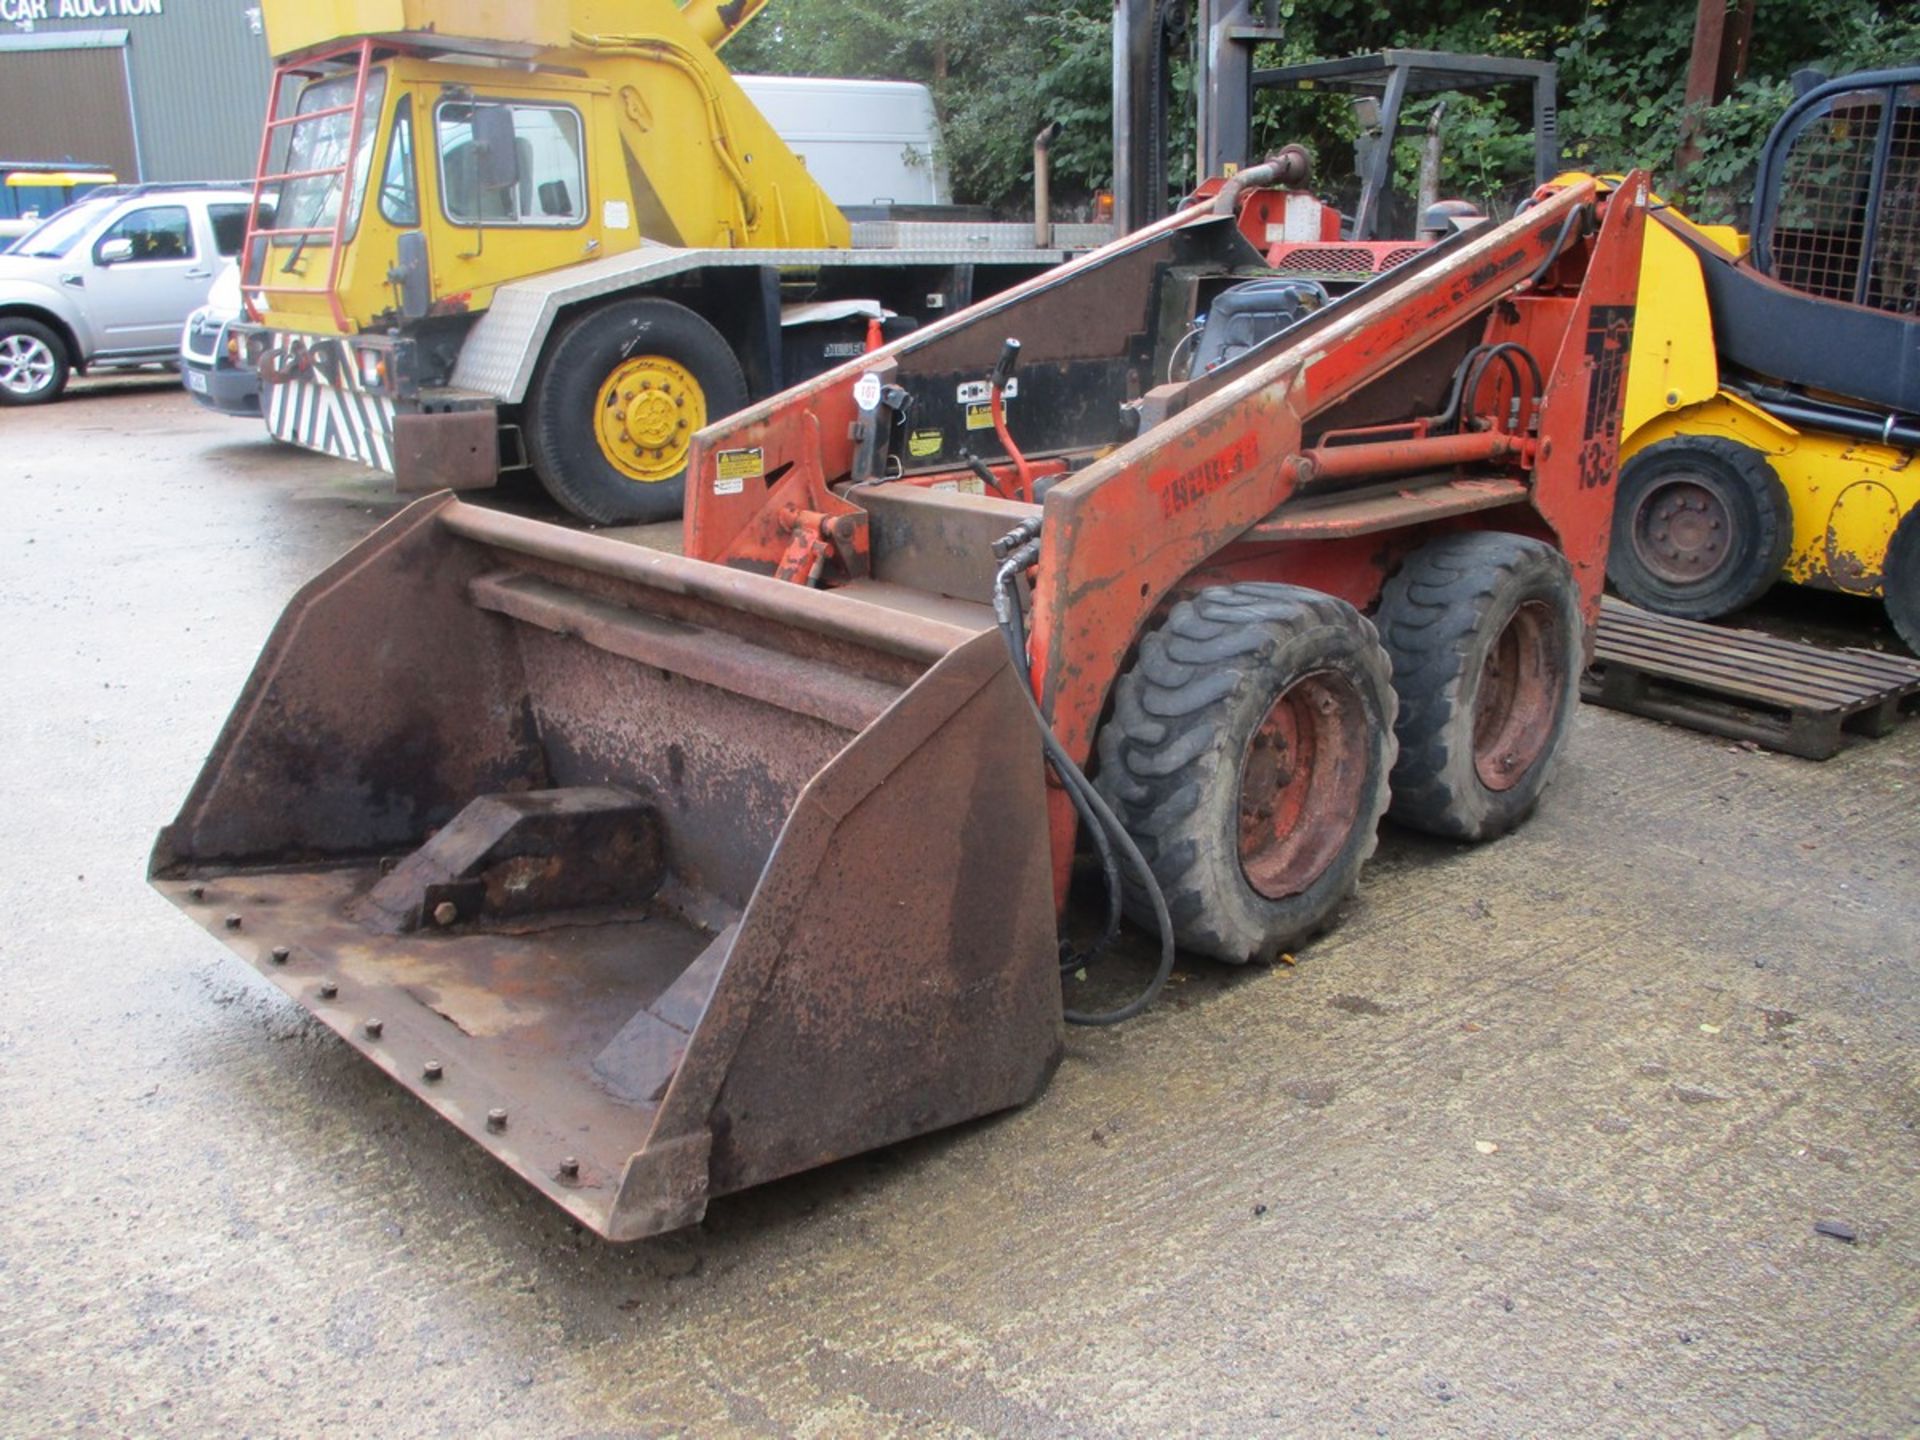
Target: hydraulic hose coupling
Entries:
(1024, 533)
(1017, 551)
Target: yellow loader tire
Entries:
(1701, 527)
(618, 398)
(1900, 580)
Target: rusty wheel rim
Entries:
(1519, 696)
(1682, 532)
(1300, 783)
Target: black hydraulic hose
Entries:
(1450, 413)
(1014, 630)
(1575, 217)
(1504, 352)
(1466, 378)
(1094, 812)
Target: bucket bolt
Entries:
(430, 1070)
(281, 954)
(445, 913)
(373, 1029)
(496, 1120)
(328, 990)
(569, 1169)
(233, 922)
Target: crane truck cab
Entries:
(563, 244)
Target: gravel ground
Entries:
(1535, 1143)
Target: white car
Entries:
(212, 365)
(108, 283)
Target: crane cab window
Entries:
(550, 188)
(317, 158)
(399, 189)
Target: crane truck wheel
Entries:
(33, 362)
(618, 400)
(1484, 631)
(1900, 580)
(1701, 527)
(1248, 755)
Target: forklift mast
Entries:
(1226, 82)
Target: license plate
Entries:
(196, 382)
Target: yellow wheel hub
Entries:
(648, 411)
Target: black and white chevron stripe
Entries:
(341, 418)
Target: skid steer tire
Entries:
(1248, 755)
(1701, 527)
(1485, 634)
(652, 359)
(1900, 580)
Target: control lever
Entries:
(1002, 374)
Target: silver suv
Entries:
(108, 283)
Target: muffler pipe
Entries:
(1043, 185)
(1290, 169)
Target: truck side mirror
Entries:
(114, 251)
(496, 157)
(411, 275)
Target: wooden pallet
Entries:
(1801, 699)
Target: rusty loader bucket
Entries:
(658, 879)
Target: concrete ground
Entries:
(1534, 1144)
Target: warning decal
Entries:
(979, 417)
(737, 465)
(923, 443)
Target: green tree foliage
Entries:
(999, 70)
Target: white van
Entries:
(867, 142)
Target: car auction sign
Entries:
(25, 12)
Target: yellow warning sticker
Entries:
(740, 464)
(923, 443)
(979, 417)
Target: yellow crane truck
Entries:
(558, 236)
(1773, 404)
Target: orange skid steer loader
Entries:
(662, 876)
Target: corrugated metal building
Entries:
(151, 89)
